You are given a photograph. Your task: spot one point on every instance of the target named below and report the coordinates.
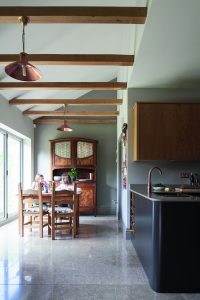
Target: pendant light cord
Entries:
(23, 37)
(24, 21)
(65, 112)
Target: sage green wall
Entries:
(106, 157)
(106, 135)
(12, 119)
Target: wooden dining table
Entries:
(46, 198)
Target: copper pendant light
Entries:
(22, 69)
(65, 127)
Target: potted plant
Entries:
(73, 174)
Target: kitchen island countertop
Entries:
(141, 189)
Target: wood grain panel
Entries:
(87, 197)
(71, 113)
(60, 161)
(168, 131)
(87, 161)
(66, 101)
(188, 128)
(74, 121)
(156, 125)
(74, 14)
(135, 133)
(63, 85)
(73, 59)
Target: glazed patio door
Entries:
(10, 174)
(14, 174)
(2, 189)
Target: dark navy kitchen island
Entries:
(167, 239)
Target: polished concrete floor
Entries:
(99, 264)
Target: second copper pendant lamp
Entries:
(22, 69)
(65, 127)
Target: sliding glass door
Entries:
(10, 174)
(14, 174)
(2, 161)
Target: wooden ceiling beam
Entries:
(73, 59)
(74, 14)
(71, 113)
(66, 101)
(63, 85)
(74, 121)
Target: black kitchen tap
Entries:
(192, 181)
(196, 179)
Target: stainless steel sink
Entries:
(172, 194)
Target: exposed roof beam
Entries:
(74, 14)
(63, 85)
(73, 59)
(66, 101)
(71, 113)
(56, 121)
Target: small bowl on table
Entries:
(158, 188)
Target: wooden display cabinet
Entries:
(77, 153)
(87, 198)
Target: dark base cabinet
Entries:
(167, 241)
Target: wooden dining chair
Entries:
(63, 218)
(29, 215)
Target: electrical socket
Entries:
(184, 174)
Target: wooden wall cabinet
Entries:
(166, 131)
(81, 154)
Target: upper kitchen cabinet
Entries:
(86, 154)
(61, 153)
(166, 131)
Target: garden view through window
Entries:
(10, 174)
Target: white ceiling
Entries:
(67, 38)
(167, 52)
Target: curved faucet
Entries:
(149, 179)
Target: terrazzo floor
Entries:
(99, 264)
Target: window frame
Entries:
(7, 134)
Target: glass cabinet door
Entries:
(84, 149)
(63, 154)
(85, 153)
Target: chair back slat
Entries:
(25, 199)
(30, 196)
(64, 197)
